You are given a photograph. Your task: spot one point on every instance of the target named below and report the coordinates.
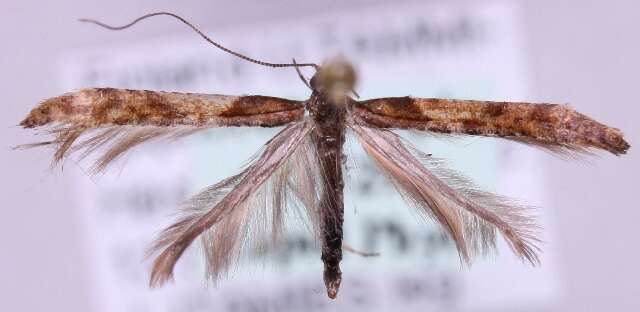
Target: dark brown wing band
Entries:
(539, 124)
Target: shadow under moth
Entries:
(302, 165)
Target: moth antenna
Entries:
(217, 45)
(302, 77)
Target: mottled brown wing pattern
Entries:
(119, 119)
(97, 107)
(551, 126)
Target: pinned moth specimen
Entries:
(302, 165)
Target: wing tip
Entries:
(39, 116)
(621, 148)
(49, 110)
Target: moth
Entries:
(302, 166)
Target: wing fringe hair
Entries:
(112, 141)
(469, 215)
(232, 215)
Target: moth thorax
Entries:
(336, 78)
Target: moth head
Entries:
(336, 79)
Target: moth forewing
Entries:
(116, 120)
(557, 128)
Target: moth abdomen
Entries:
(328, 137)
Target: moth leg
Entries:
(354, 251)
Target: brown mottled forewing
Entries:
(105, 106)
(122, 119)
(555, 127)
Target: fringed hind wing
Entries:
(555, 128)
(470, 216)
(117, 120)
(235, 214)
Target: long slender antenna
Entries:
(304, 80)
(219, 46)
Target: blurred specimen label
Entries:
(424, 51)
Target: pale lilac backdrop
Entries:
(577, 52)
